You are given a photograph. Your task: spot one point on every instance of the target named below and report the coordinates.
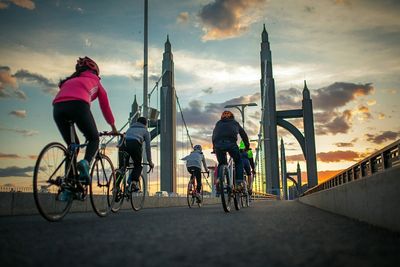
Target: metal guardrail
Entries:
(386, 158)
(16, 189)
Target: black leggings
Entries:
(134, 150)
(197, 173)
(79, 113)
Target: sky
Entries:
(347, 50)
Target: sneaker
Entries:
(198, 197)
(135, 186)
(65, 195)
(239, 186)
(83, 168)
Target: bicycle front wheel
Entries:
(189, 194)
(138, 194)
(118, 192)
(102, 182)
(48, 176)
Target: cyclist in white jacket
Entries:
(193, 164)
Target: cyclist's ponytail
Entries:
(77, 73)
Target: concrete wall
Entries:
(375, 199)
(15, 203)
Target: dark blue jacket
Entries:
(227, 130)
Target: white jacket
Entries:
(194, 159)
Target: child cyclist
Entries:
(193, 164)
(224, 140)
(72, 104)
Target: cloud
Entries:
(339, 94)
(309, 9)
(344, 144)
(333, 123)
(49, 87)
(9, 156)
(3, 5)
(16, 171)
(224, 19)
(289, 98)
(183, 18)
(337, 156)
(328, 101)
(28, 4)
(9, 85)
(198, 114)
(364, 113)
(18, 113)
(208, 90)
(20, 131)
(342, 2)
(382, 137)
(331, 156)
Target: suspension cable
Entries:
(183, 119)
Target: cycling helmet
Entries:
(197, 147)
(227, 115)
(87, 62)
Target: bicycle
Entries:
(56, 171)
(226, 185)
(135, 195)
(191, 193)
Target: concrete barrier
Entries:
(18, 203)
(374, 199)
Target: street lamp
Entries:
(241, 108)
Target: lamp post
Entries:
(241, 108)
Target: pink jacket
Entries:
(86, 87)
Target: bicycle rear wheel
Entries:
(48, 176)
(138, 195)
(225, 190)
(189, 193)
(102, 182)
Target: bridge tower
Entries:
(273, 118)
(134, 110)
(168, 123)
(269, 123)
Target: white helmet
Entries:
(197, 147)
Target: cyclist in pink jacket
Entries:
(72, 103)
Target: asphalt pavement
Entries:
(270, 233)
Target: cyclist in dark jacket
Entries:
(224, 140)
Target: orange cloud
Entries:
(182, 18)
(28, 4)
(331, 156)
(224, 19)
(337, 156)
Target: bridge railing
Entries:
(262, 195)
(386, 158)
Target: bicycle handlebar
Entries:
(208, 173)
(105, 133)
(151, 169)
